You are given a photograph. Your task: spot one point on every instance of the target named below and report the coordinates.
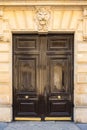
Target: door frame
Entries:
(72, 72)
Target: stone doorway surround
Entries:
(43, 17)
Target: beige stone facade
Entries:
(62, 16)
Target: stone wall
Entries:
(25, 19)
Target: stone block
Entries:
(4, 47)
(73, 21)
(5, 99)
(4, 57)
(82, 68)
(5, 113)
(80, 36)
(80, 100)
(4, 77)
(80, 114)
(56, 23)
(5, 89)
(82, 47)
(82, 57)
(4, 67)
(80, 25)
(81, 78)
(81, 89)
(66, 21)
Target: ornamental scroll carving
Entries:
(42, 17)
(4, 28)
(1, 22)
(85, 24)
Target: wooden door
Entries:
(43, 76)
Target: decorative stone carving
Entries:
(85, 24)
(1, 13)
(42, 19)
(4, 28)
(1, 24)
(85, 12)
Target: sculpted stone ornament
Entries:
(1, 21)
(85, 24)
(42, 19)
(1, 37)
(4, 28)
(1, 13)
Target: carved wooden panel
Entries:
(26, 72)
(25, 76)
(60, 108)
(25, 43)
(60, 43)
(59, 73)
(27, 107)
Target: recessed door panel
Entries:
(60, 43)
(25, 43)
(43, 75)
(59, 73)
(26, 67)
(60, 108)
(26, 75)
(60, 87)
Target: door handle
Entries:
(26, 97)
(59, 97)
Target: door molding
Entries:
(50, 47)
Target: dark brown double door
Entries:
(43, 76)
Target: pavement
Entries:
(48, 125)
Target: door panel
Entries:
(26, 67)
(26, 75)
(59, 108)
(59, 43)
(26, 107)
(59, 73)
(43, 75)
(60, 87)
(25, 43)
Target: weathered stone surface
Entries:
(5, 113)
(26, 125)
(80, 114)
(4, 77)
(82, 68)
(82, 57)
(82, 47)
(5, 99)
(82, 78)
(81, 89)
(4, 57)
(80, 100)
(4, 47)
(4, 67)
(79, 36)
(5, 89)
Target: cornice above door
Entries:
(43, 2)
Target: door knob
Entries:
(26, 96)
(59, 97)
